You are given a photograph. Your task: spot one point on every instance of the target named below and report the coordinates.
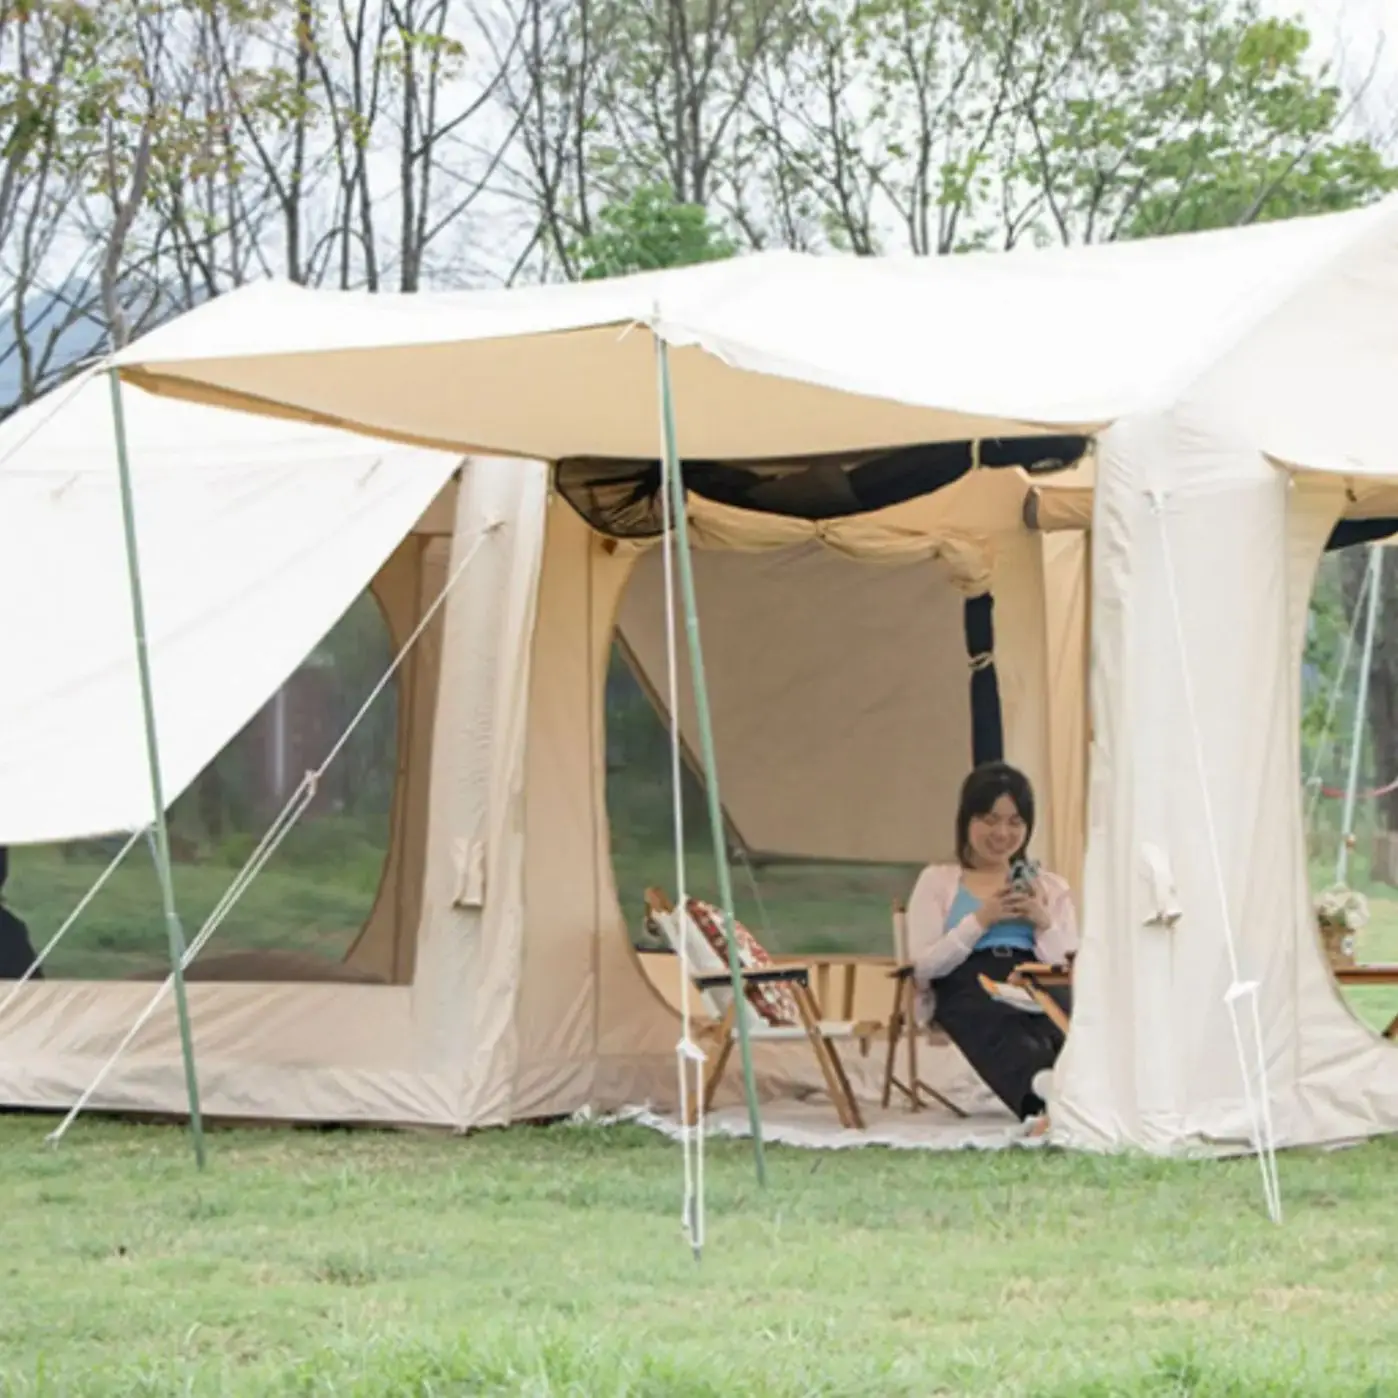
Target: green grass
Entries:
(548, 1261)
(545, 1262)
(300, 906)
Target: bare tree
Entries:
(49, 292)
(610, 96)
(551, 96)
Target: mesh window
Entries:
(621, 498)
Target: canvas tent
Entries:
(1232, 382)
(256, 533)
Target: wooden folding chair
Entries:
(903, 1027)
(710, 977)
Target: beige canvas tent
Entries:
(1234, 384)
(495, 978)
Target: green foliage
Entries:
(312, 898)
(949, 124)
(1327, 627)
(649, 231)
(1194, 115)
(1263, 143)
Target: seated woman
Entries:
(966, 920)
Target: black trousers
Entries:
(1005, 1046)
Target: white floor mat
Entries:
(814, 1126)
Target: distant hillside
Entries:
(45, 315)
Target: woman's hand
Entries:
(1031, 906)
(996, 908)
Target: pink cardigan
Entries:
(935, 951)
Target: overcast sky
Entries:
(1352, 32)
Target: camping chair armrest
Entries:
(773, 975)
(1037, 972)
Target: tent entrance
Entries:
(843, 724)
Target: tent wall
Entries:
(469, 980)
(1067, 587)
(589, 1028)
(1186, 512)
(839, 693)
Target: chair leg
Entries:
(836, 1083)
(910, 1018)
(945, 1101)
(837, 1063)
(722, 1051)
(895, 1032)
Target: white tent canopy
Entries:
(919, 349)
(254, 536)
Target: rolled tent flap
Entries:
(255, 536)
(1049, 509)
(1349, 532)
(987, 723)
(621, 499)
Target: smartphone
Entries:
(1022, 875)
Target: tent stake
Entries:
(162, 830)
(675, 484)
(1361, 707)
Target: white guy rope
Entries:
(71, 919)
(1258, 1104)
(295, 807)
(745, 859)
(1324, 743)
(1361, 705)
(689, 1057)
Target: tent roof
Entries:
(255, 537)
(779, 354)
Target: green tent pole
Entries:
(162, 829)
(675, 484)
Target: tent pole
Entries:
(1361, 708)
(162, 829)
(675, 484)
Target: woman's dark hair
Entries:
(979, 793)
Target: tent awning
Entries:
(775, 355)
(255, 537)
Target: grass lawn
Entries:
(548, 1261)
(302, 906)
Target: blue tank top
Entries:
(1016, 933)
